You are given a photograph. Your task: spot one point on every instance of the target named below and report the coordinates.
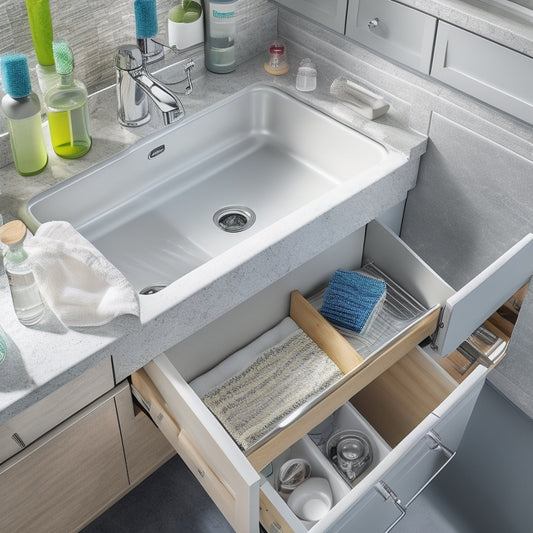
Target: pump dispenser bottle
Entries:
(25, 294)
(220, 35)
(22, 109)
(66, 104)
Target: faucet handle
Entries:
(128, 57)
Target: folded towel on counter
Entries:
(78, 283)
(353, 299)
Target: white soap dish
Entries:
(359, 98)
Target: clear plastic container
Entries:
(220, 35)
(306, 77)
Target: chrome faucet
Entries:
(135, 84)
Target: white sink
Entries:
(150, 209)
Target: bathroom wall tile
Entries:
(95, 28)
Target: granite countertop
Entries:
(44, 357)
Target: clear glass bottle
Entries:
(220, 35)
(25, 294)
(22, 109)
(66, 105)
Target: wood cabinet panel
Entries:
(67, 477)
(44, 415)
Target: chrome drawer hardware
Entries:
(373, 24)
(434, 442)
(18, 439)
(387, 493)
(138, 396)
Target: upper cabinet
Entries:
(431, 46)
(394, 30)
(330, 13)
(484, 69)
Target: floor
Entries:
(169, 501)
(485, 489)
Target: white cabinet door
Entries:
(331, 13)
(463, 310)
(479, 67)
(478, 299)
(394, 30)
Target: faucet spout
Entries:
(167, 102)
(135, 85)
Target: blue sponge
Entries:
(145, 18)
(16, 75)
(352, 300)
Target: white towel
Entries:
(78, 283)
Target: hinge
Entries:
(480, 345)
(139, 397)
(434, 335)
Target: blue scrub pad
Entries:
(16, 75)
(145, 18)
(353, 299)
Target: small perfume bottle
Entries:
(66, 104)
(25, 294)
(22, 109)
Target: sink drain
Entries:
(152, 289)
(234, 218)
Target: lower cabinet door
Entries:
(66, 478)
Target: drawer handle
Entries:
(18, 439)
(373, 24)
(386, 492)
(435, 443)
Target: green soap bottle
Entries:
(67, 110)
(22, 109)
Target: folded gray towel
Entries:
(283, 378)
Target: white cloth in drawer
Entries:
(239, 360)
(280, 380)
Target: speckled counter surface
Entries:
(44, 357)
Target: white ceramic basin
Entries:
(150, 209)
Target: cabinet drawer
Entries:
(460, 60)
(394, 30)
(383, 497)
(331, 14)
(26, 427)
(231, 476)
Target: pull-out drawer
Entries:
(383, 497)
(394, 30)
(331, 14)
(435, 408)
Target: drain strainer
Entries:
(234, 218)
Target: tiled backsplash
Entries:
(95, 28)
